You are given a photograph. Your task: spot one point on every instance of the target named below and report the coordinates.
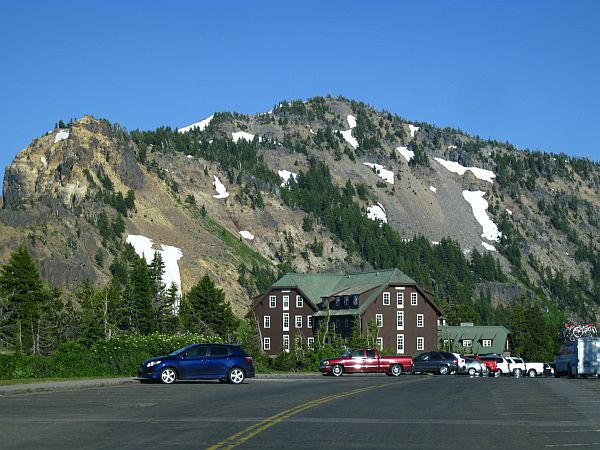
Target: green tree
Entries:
(204, 309)
(21, 285)
(141, 310)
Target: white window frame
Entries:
(420, 344)
(267, 322)
(266, 343)
(420, 320)
(299, 301)
(286, 343)
(386, 299)
(298, 321)
(379, 320)
(400, 320)
(380, 343)
(399, 343)
(467, 343)
(310, 322)
(310, 342)
(413, 299)
(486, 342)
(286, 319)
(286, 302)
(272, 301)
(399, 299)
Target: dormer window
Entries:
(355, 300)
(337, 301)
(346, 301)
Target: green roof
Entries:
(476, 333)
(316, 286)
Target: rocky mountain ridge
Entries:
(63, 196)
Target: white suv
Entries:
(516, 366)
(502, 363)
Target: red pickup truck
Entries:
(366, 360)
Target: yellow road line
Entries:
(248, 433)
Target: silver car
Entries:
(473, 367)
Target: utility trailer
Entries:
(580, 358)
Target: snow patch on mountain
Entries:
(285, 175)
(143, 246)
(61, 136)
(433, 189)
(489, 247)
(404, 151)
(383, 173)
(458, 168)
(220, 188)
(349, 138)
(351, 121)
(237, 135)
(377, 212)
(199, 125)
(246, 235)
(480, 205)
(413, 129)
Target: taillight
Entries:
(456, 362)
(249, 359)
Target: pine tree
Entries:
(141, 297)
(21, 285)
(204, 309)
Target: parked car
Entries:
(437, 362)
(461, 362)
(502, 364)
(365, 360)
(224, 362)
(548, 370)
(579, 358)
(517, 366)
(472, 367)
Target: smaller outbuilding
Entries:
(475, 339)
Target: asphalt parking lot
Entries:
(358, 411)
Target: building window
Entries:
(346, 301)
(286, 343)
(380, 343)
(467, 342)
(298, 321)
(399, 299)
(310, 342)
(286, 302)
(267, 322)
(413, 299)
(379, 320)
(355, 300)
(309, 321)
(386, 298)
(286, 321)
(420, 320)
(272, 301)
(337, 301)
(299, 301)
(399, 343)
(420, 343)
(266, 343)
(400, 320)
(347, 322)
(486, 343)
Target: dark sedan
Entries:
(443, 363)
(223, 362)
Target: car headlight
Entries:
(153, 363)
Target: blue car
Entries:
(223, 362)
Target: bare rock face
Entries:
(55, 165)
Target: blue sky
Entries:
(523, 72)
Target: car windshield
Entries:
(347, 353)
(180, 350)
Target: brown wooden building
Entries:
(407, 315)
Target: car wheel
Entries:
(235, 375)
(168, 375)
(485, 371)
(444, 370)
(472, 371)
(337, 370)
(518, 373)
(532, 373)
(498, 373)
(396, 370)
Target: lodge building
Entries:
(293, 307)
